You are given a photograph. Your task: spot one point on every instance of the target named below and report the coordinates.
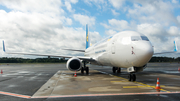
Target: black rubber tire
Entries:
(134, 77)
(114, 69)
(82, 70)
(129, 77)
(87, 70)
(119, 70)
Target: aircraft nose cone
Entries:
(144, 53)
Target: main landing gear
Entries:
(132, 77)
(85, 68)
(118, 69)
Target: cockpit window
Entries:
(135, 38)
(144, 38)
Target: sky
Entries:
(47, 26)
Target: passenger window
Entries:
(144, 38)
(135, 38)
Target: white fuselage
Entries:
(124, 49)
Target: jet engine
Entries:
(74, 64)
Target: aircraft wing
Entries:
(74, 50)
(49, 55)
(62, 56)
(175, 50)
(164, 53)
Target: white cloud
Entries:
(34, 5)
(173, 30)
(68, 4)
(117, 25)
(68, 21)
(117, 3)
(84, 19)
(150, 29)
(178, 19)
(152, 12)
(96, 2)
(114, 12)
(100, 4)
(40, 27)
(73, 1)
(174, 1)
(110, 32)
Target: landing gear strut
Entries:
(132, 77)
(85, 68)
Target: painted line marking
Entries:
(119, 81)
(115, 94)
(134, 81)
(84, 95)
(141, 83)
(15, 95)
(140, 86)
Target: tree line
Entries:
(61, 60)
(37, 60)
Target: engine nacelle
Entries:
(74, 64)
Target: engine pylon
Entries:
(158, 84)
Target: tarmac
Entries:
(53, 82)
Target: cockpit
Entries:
(138, 38)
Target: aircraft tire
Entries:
(114, 69)
(87, 70)
(129, 77)
(82, 70)
(134, 77)
(119, 70)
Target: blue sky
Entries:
(47, 26)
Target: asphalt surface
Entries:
(20, 82)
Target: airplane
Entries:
(126, 49)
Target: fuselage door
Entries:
(113, 48)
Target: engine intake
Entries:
(74, 64)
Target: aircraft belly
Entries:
(121, 58)
(103, 59)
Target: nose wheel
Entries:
(132, 77)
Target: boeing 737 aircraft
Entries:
(127, 49)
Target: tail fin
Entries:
(4, 46)
(175, 47)
(87, 37)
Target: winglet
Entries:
(87, 37)
(4, 46)
(175, 47)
